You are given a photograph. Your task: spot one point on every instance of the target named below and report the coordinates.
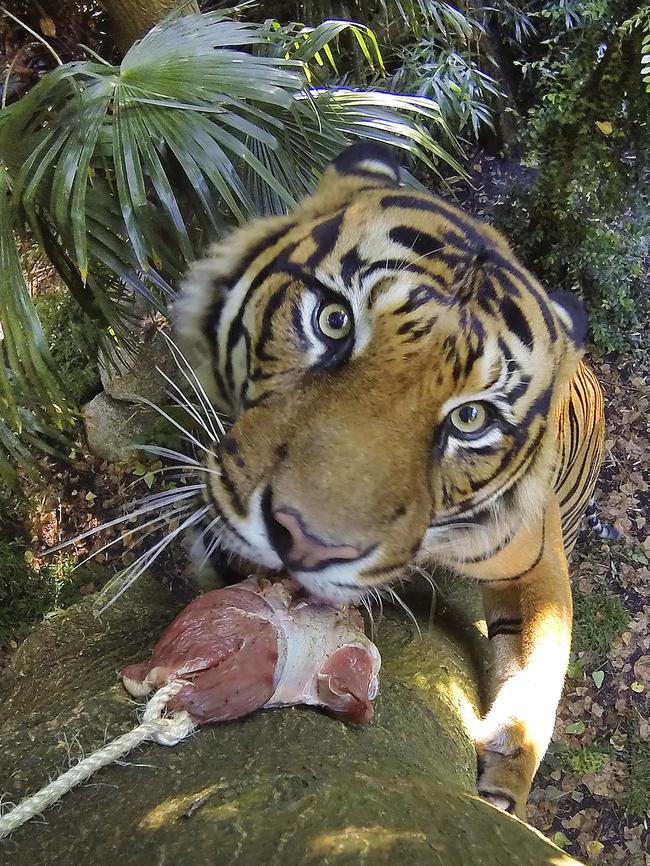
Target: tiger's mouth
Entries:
(330, 573)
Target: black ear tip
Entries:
(573, 309)
(370, 158)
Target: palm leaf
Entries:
(124, 173)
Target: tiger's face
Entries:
(391, 371)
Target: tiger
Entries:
(402, 390)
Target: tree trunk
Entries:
(130, 19)
(280, 788)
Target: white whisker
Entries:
(143, 562)
(178, 426)
(405, 607)
(181, 400)
(169, 453)
(366, 604)
(206, 529)
(214, 544)
(196, 385)
(139, 531)
(164, 495)
(89, 532)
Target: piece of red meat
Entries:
(256, 645)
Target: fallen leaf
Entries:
(560, 839)
(594, 849)
(642, 669)
(598, 677)
(48, 27)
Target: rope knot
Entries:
(166, 730)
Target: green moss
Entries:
(599, 618)
(583, 759)
(72, 340)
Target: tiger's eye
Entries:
(335, 321)
(469, 418)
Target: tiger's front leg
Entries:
(529, 626)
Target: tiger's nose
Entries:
(301, 550)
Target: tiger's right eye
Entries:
(334, 321)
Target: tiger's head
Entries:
(391, 371)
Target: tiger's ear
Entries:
(571, 312)
(367, 160)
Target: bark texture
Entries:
(280, 787)
(130, 19)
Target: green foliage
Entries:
(583, 225)
(27, 595)
(72, 339)
(447, 62)
(583, 759)
(453, 79)
(641, 21)
(598, 619)
(603, 257)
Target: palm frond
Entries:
(124, 173)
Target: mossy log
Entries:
(280, 788)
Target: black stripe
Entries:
(489, 553)
(504, 625)
(232, 491)
(539, 406)
(422, 331)
(351, 264)
(228, 524)
(434, 206)
(390, 265)
(418, 242)
(296, 320)
(421, 295)
(325, 235)
(236, 326)
(516, 321)
(266, 242)
(273, 304)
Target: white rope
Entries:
(164, 730)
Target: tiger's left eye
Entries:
(334, 321)
(469, 418)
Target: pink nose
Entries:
(300, 549)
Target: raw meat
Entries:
(259, 644)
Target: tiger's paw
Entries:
(506, 767)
